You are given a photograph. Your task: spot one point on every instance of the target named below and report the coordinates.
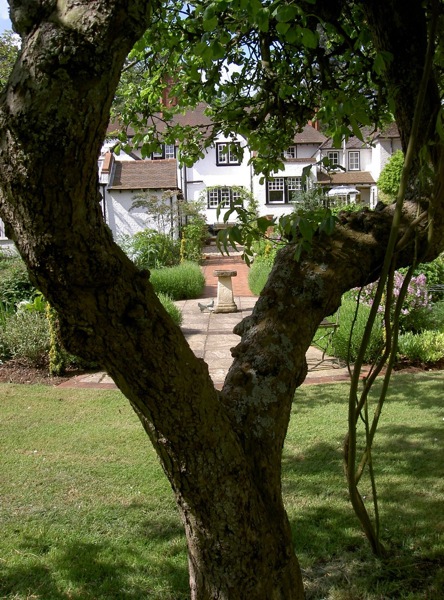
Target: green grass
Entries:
(86, 512)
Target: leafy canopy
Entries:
(9, 49)
(262, 68)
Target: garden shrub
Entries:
(434, 274)
(171, 308)
(25, 335)
(261, 268)
(426, 347)
(194, 235)
(149, 249)
(341, 339)
(258, 275)
(58, 357)
(15, 285)
(179, 282)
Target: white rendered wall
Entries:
(260, 190)
(123, 221)
(207, 173)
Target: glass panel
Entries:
(353, 161)
(222, 154)
(334, 157)
(294, 183)
(170, 151)
(213, 198)
(290, 152)
(225, 197)
(276, 184)
(232, 158)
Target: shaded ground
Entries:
(17, 371)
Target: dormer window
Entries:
(226, 154)
(354, 162)
(333, 157)
(166, 151)
(290, 153)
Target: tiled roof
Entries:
(369, 134)
(309, 135)
(390, 131)
(345, 177)
(145, 174)
(352, 143)
(192, 117)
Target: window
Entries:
(2, 230)
(227, 154)
(170, 151)
(333, 157)
(222, 196)
(281, 189)
(166, 151)
(290, 153)
(354, 163)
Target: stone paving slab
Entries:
(210, 336)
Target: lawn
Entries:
(86, 512)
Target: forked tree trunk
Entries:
(221, 451)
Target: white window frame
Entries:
(213, 198)
(170, 151)
(283, 186)
(222, 196)
(333, 157)
(166, 151)
(290, 152)
(2, 230)
(354, 160)
(225, 157)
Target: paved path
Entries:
(211, 336)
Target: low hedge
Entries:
(180, 282)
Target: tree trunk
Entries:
(221, 451)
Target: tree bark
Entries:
(221, 451)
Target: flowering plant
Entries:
(415, 302)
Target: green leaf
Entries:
(309, 38)
(263, 19)
(210, 24)
(235, 235)
(306, 229)
(287, 13)
(282, 28)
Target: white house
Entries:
(121, 181)
(276, 196)
(122, 178)
(359, 165)
(215, 177)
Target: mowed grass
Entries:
(86, 511)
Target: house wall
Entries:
(206, 173)
(124, 221)
(291, 169)
(382, 153)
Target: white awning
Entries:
(342, 190)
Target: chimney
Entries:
(167, 100)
